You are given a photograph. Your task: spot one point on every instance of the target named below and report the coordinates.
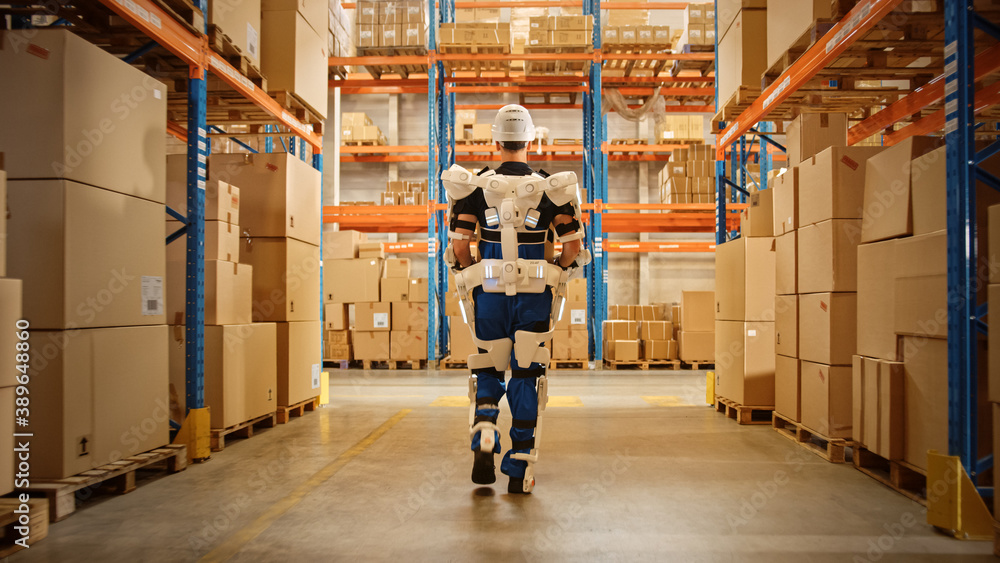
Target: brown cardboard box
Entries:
(7, 441)
(367, 12)
(574, 315)
(299, 361)
(696, 14)
(280, 194)
(410, 316)
(786, 213)
(696, 34)
(461, 345)
(568, 38)
(228, 292)
(870, 412)
(786, 275)
(744, 280)
(241, 22)
(891, 410)
(925, 361)
(742, 52)
(621, 313)
(373, 249)
(408, 345)
(315, 12)
(538, 37)
(656, 330)
(10, 313)
(828, 256)
(727, 10)
(697, 311)
(391, 35)
(352, 281)
(921, 289)
(858, 399)
(452, 306)
(285, 279)
(337, 336)
(336, 316)
(877, 299)
(88, 123)
(3, 221)
(787, 387)
(827, 327)
(371, 346)
(622, 350)
(570, 344)
(299, 65)
(88, 257)
(414, 11)
(993, 339)
(418, 290)
(86, 423)
(222, 242)
(414, 34)
(786, 325)
(826, 399)
(620, 330)
(342, 245)
(659, 349)
(338, 351)
(887, 189)
(832, 184)
(928, 196)
(697, 346)
(395, 289)
(810, 133)
(367, 36)
(576, 290)
(371, 317)
(744, 362)
(794, 18)
(758, 219)
(222, 200)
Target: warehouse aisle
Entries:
(630, 472)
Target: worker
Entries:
(508, 295)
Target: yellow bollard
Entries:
(324, 388)
(710, 388)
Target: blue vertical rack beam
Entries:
(433, 179)
(595, 180)
(720, 164)
(446, 157)
(197, 164)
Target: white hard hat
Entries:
(513, 123)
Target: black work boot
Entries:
(516, 486)
(483, 469)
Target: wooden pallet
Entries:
(241, 430)
(697, 365)
(367, 143)
(643, 365)
(547, 98)
(899, 476)
(301, 110)
(830, 449)
(340, 364)
(118, 476)
(743, 414)
(476, 67)
(448, 363)
(397, 364)
(296, 410)
(569, 364)
(223, 45)
(619, 68)
(698, 68)
(186, 13)
(38, 524)
(404, 71)
(557, 68)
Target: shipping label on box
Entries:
(372, 316)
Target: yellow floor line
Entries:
(235, 543)
(666, 401)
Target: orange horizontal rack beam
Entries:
(596, 56)
(985, 98)
(193, 50)
(659, 246)
(557, 4)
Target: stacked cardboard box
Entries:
(340, 42)
(398, 192)
(358, 127)
(240, 22)
(638, 331)
(560, 31)
(651, 38)
(491, 35)
(293, 50)
(742, 52)
(571, 341)
(627, 17)
(279, 203)
(699, 24)
(388, 25)
(696, 333)
(689, 176)
(674, 128)
(86, 238)
(10, 314)
(339, 246)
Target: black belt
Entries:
(535, 237)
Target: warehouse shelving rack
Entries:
(193, 50)
(923, 110)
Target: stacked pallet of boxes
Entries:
(475, 38)
(390, 25)
(699, 25)
(467, 129)
(689, 177)
(675, 128)
(10, 314)
(340, 260)
(86, 238)
(570, 342)
(239, 22)
(358, 128)
(340, 42)
(742, 56)
(293, 50)
(240, 356)
(696, 327)
(559, 34)
(621, 334)
(280, 222)
(398, 192)
(900, 372)
(407, 301)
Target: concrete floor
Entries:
(634, 468)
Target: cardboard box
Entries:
(390, 36)
(298, 66)
(315, 12)
(828, 256)
(222, 242)
(461, 344)
(241, 22)
(3, 221)
(832, 184)
(621, 312)
(366, 12)
(659, 350)
(228, 292)
(786, 213)
(336, 316)
(787, 387)
(810, 133)
(10, 313)
(80, 390)
(371, 250)
(758, 219)
(727, 10)
(695, 13)
(887, 189)
(367, 36)
(744, 362)
(826, 399)
(285, 279)
(338, 351)
(786, 325)
(857, 399)
(696, 34)
(744, 280)
(928, 196)
(574, 315)
(620, 330)
(827, 327)
(418, 292)
(742, 52)
(921, 286)
(408, 345)
(786, 275)
(342, 245)
(697, 346)
(410, 316)
(891, 410)
(697, 311)
(89, 124)
(657, 330)
(280, 194)
(870, 412)
(413, 34)
(877, 299)
(993, 339)
(337, 336)
(88, 257)
(395, 289)
(794, 18)
(300, 360)
(925, 361)
(222, 199)
(622, 350)
(570, 344)
(352, 281)
(373, 317)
